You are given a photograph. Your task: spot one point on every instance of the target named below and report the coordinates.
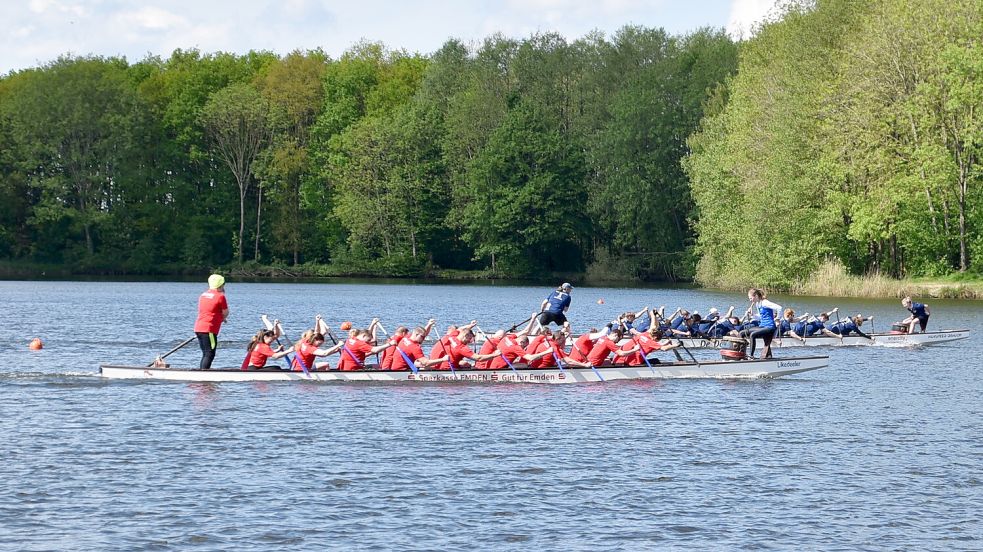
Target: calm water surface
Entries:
(881, 451)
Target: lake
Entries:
(882, 450)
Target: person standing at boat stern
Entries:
(919, 313)
(555, 306)
(769, 312)
(213, 309)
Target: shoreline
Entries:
(827, 283)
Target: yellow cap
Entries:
(216, 281)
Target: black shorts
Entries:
(923, 322)
(548, 317)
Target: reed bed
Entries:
(832, 280)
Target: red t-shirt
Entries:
(604, 347)
(534, 343)
(304, 352)
(261, 352)
(387, 354)
(508, 346)
(455, 349)
(488, 347)
(359, 349)
(647, 344)
(581, 348)
(211, 303)
(545, 361)
(411, 349)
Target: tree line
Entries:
(852, 131)
(841, 130)
(518, 157)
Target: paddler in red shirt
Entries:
(308, 349)
(607, 345)
(409, 348)
(357, 347)
(647, 342)
(458, 352)
(212, 311)
(387, 355)
(511, 349)
(260, 351)
(582, 345)
(489, 347)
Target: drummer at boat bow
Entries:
(919, 313)
(555, 306)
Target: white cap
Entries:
(566, 285)
(713, 310)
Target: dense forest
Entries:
(842, 130)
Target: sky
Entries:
(34, 32)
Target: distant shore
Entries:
(829, 281)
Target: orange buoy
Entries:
(600, 301)
(346, 325)
(36, 344)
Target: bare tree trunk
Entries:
(259, 212)
(963, 251)
(242, 218)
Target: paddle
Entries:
(644, 354)
(688, 352)
(450, 358)
(165, 355)
(526, 321)
(270, 326)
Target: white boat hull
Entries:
(882, 339)
(765, 368)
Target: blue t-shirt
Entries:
(558, 300)
(811, 328)
(845, 328)
(784, 327)
(642, 325)
(767, 316)
(918, 310)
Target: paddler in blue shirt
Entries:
(849, 326)
(816, 324)
(555, 306)
(788, 324)
(919, 313)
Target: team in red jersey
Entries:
(532, 347)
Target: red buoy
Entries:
(36, 344)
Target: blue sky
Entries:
(33, 32)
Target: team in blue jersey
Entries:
(764, 320)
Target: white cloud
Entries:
(151, 18)
(33, 32)
(746, 14)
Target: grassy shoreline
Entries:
(831, 280)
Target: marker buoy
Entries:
(346, 325)
(600, 301)
(36, 344)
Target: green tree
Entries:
(238, 120)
